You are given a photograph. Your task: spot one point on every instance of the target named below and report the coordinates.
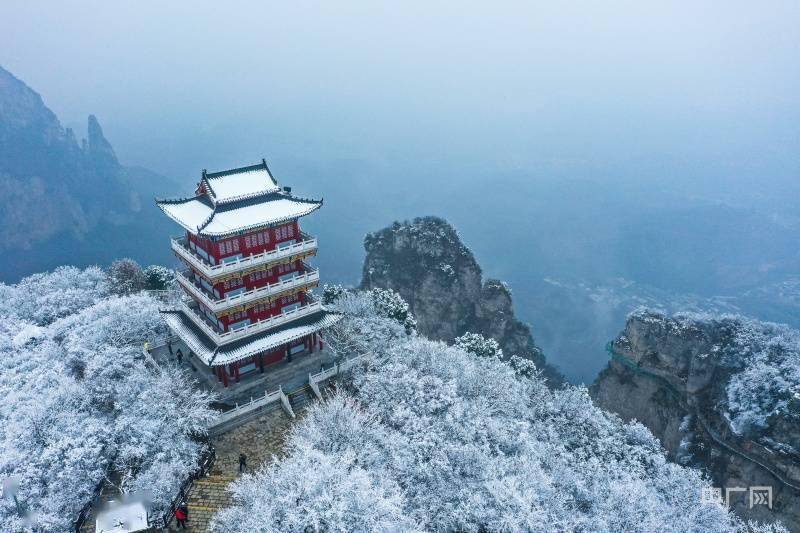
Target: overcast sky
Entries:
(590, 86)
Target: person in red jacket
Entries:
(181, 515)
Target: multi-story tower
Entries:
(245, 273)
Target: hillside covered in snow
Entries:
(721, 392)
(78, 405)
(430, 437)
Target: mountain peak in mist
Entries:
(99, 149)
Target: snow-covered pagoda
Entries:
(245, 273)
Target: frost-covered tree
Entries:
(367, 328)
(391, 305)
(158, 278)
(126, 277)
(431, 437)
(344, 495)
(477, 344)
(79, 407)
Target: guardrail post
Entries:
(314, 387)
(285, 402)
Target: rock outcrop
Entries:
(427, 264)
(722, 394)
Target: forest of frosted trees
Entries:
(426, 437)
(79, 406)
(420, 437)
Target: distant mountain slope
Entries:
(721, 392)
(65, 202)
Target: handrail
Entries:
(205, 463)
(222, 268)
(253, 294)
(315, 379)
(252, 405)
(230, 336)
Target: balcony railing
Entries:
(210, 271)
(217, 305)
(256, 327)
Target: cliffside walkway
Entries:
(712, 434)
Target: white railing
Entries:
(252, 405)
(212, 271)
(315, 379)
(261, 325)
(253, 294)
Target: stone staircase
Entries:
(301, 398)
(205, 498)
(259, 439)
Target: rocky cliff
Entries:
(67, 202)
(427, 264)
(721, 393)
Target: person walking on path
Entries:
(147, 346)
(169, 346)
(182, 515)
(179, 355)
(242, 462)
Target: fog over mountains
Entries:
(64, 200)
(578, 253)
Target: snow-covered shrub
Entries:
(331, 293)
(431, 437)
(158, 278)
(126, 276)
(78, 405)
(366, 329)
(391, 305)
(477, 344)
(385, 303)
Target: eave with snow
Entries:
(245, 274)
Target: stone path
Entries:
(259, 440)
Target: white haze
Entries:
(584, 142)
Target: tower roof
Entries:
(239, 183)
(213, 355)
(236, 200)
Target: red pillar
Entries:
(236, 369)
(224, 376)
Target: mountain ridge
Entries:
(73, 202)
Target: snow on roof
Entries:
(195, 214)
(240, 183)
(205, 349)
(191, 214)
(260, 214)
